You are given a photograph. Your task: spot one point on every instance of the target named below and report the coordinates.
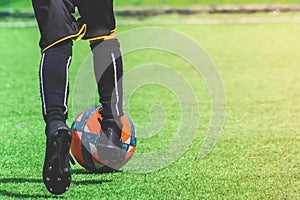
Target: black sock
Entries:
(108, 68)
(54, 85)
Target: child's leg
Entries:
(54, 84)
(57, 27)
(100, 20)
(108, 67)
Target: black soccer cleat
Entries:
(109, 145)
(56, 170)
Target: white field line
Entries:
(211, 21)
(181, 21)
(18, 24)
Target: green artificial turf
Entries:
(256, 156)
(199, 2)
(26, 3)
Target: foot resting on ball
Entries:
(109, 144)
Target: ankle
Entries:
(114, 123)
(55, 117)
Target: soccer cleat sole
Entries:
(56, 170)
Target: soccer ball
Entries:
(85, 133)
